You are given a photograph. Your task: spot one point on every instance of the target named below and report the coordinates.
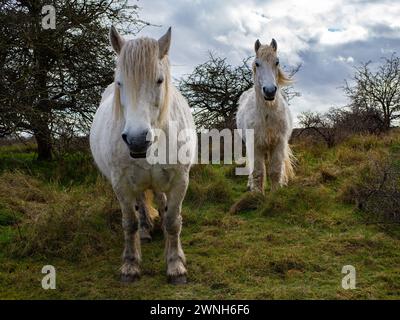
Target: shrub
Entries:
(377, 191)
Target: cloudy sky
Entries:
(327, 37)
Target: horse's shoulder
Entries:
(247, 103)
(246, 96)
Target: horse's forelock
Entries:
(265, 52)
(139, 60)
(117, 103)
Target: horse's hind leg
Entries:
(130, 223)
(175, 258)
(145, 222)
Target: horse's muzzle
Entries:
(138, 145)
(139, 151)
(269, 93)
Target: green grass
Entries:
(70, 169)
(292, 244)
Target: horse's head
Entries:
(142, 80)
(268, 75)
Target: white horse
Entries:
(142, 99)
(264, 109)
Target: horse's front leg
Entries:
(276, 163)
(257, 177)
(131, 255)
(175, 258)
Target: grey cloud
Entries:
(199, 25)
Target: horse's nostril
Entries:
(125, 138)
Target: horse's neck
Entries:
(268, 107)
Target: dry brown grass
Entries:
(248, 201)
(60, 223)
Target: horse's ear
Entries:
(274, 45)
(257, 45)
(116, 40)
(164, 43)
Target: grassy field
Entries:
(292, 244)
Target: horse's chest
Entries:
(162, 178)
(158, 178)
(267, 132)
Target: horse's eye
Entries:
(160, 80)
(277, 62)
(257, 64)
(118, 83)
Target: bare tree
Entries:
(214, 88)
(377, 90)
(339, 123)
(323, 124)
(52, 79)
(352, 119)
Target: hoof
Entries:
(129, 278)
(177, 280)
(145, 236)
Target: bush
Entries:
(377, 191)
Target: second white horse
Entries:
(264, 109)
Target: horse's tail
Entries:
(289, 164)
(147, 215)
(148, 203)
